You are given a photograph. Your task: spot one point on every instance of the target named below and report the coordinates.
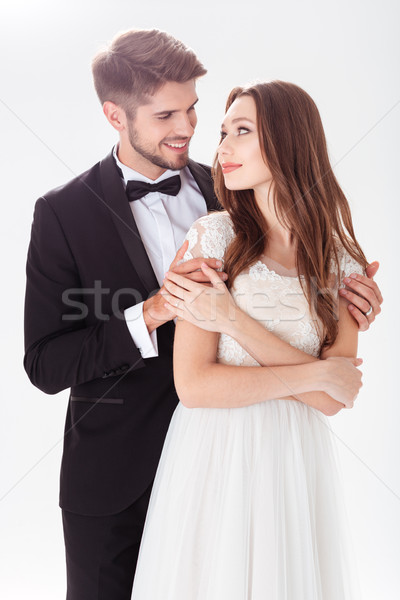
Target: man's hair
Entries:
(137, 63)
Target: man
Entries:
(95, 315)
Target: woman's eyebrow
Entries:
(239, 119)
(242, 119)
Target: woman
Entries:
(245, 505)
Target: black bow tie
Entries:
(137, 189)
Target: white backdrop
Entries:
(345, 54)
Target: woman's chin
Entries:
(235, 187)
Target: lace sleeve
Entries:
(209, 237)
(347, 265)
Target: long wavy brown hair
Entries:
(307, 198)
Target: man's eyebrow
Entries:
(171, 112)
(239, 119)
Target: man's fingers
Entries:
(180, 254)
(362, 320)
(200, 277)
(358, 301)
(372, 269)
(357, 281)
(195, 264)
(362, 297)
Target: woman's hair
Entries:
(307, 197)
(137, 63)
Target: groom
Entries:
(95, 320)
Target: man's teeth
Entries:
(177, 145)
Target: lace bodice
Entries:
(275, 299)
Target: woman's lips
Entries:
(229, 167)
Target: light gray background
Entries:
(345, 54)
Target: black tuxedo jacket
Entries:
(86, 264)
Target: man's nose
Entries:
(184, 126)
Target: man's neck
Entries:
(138, 163)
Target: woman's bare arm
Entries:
(201, 382)
(345, 346)
(269, 351)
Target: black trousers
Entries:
(102, 552)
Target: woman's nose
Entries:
(224, 147)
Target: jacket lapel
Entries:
(202, 176)
(121, 214)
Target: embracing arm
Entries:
(61, 350)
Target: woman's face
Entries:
(239, 152)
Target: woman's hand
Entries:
(210, 307)
(342, 378)
(154, 311)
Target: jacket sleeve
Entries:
(60, 350)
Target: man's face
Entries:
(161, 130)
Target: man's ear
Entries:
(115, 115)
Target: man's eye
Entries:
(165, 117)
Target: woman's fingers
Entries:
(211, 274)
(174, 289)
(180, 280)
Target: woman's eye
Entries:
(243, 130)
(223, 135)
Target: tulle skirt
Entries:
(247, 505)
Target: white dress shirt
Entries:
(163, 222)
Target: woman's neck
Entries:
(279, 237)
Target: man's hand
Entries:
(154, 311)
(362, 293)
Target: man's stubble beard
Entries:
(155, 159)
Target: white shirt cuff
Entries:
(145, 342)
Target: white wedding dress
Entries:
(246, 503)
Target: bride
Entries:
(246, 504)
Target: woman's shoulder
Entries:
(346, 263)
(210, 235)
(215, 220)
